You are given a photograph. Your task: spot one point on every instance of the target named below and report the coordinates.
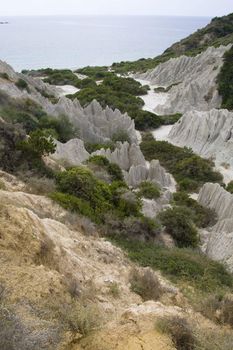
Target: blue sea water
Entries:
(76, 41)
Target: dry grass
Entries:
(39, 185)
(114, 290)
(46, 255)
(146, 284)
(218, 309)
(179, 330)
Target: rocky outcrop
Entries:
(209, 134)
(194, 80)
(131, 160)
(125, 155)
(153, 172)
(95, 124)
(219, 240)
(215, 197)
(72, 152)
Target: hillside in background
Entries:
(218, 32)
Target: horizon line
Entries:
(106, 15)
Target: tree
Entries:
(178, 223)
(40, 143)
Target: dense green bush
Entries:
(201, 216)
(149, 190)
(225, 80)
(10, 136)
(4, 76)
(189, 170)
(121, 136)
(113, 169)
(197, 168)
(81, 182)
(145, 120)
(75, 204)
(126, 85)
(22, 84)
(179, 265)
(96, 73)
(93, 147)
(39, 143)
(61, 125)
(178, 223)
(230, 187)
(108, 97)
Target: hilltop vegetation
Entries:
(190, 170)
(218, 32)
(225, 80)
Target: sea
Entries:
(77, 41)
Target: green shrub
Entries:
(114, 290)
(61, 125)
(113, 169)
(178, 223)
(179, 265)
(38, 144)
(225, 80)
(121, 136)
(197, 168)
(149, 190)
(201, 216)
(96, 73)
(75, 204)
(93, 147)
(128, 204)
(99, 160)
(22, 84)
(189, 170)
(81, 182)
(230, 187)
(4, 76)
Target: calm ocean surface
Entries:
(76, 41)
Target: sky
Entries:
(209, 8)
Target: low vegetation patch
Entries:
(178, 223)
(189, 170)
(181, 266)
(229, 187)
(201, 216)
(149, 190)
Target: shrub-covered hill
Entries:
(218, 32)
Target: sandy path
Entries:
(67, 90)
(161, 134)
(152, 99)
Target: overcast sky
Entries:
(117, 7)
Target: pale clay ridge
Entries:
(209, 134)
(72, 152)
(94, 123)
(135, 168)
(196, 79)
(219, 239)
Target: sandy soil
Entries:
(67, 90)
(152, 99)
(161, 134)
